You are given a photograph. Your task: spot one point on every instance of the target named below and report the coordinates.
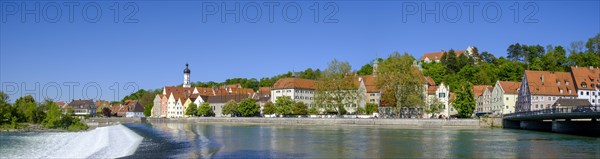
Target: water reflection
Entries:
(218, 140)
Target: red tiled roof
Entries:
(585, 75)
(547, 83)
(296, 83)
(432, 89)
(370, 84)
(510, 87)
(430, 81)
(479, 89)
(264, 90)
(60, 104)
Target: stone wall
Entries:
(335, 121)
(491, 122)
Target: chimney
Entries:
(591, 67)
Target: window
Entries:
(593, 101)
(581, 93)
(558, 82)
(569, 91)
(587, 93)
(561, 91)
(289, 91)
(549, 98)
(442, 95)
(583, 85)
(506, 98)
(566, 82)
(277, 91)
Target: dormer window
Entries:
(566, 82)
(557, 82)
(583, 85)
(561, 91)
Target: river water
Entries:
(224, 140)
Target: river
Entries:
(226, 140)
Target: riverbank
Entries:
(426, 123)
(28, 127)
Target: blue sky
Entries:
(152, 52)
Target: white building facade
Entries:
(587, 83)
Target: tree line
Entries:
(26, 111)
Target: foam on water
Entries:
(103, 142)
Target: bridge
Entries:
(574, 120)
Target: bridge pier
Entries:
(511, 124)
(537, 125)
(577, 127)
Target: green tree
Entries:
(53, 115)
(148, 109)
(310, 74)
(437, 71)
(361, 110)
(435, 107)
(283, 105)
(515, 52)
(269, 108)
(205, 110)
(555, 59)
(337, 88)
(191, 109)
(6, 110)
(488, 57)
(533, 52)
(230, 108)
(313, 111)
(468, 73)
(248, 107)
(450, 60)
(367, 69)
(28, 110)
(511, 71)
(463, 61)
(402, 81)
(465, 101)
(487, 73)
(371, 108)
(593, 45)
(300, 108)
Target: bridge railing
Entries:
(583, 109)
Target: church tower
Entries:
(186, 77)
(375, 65)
